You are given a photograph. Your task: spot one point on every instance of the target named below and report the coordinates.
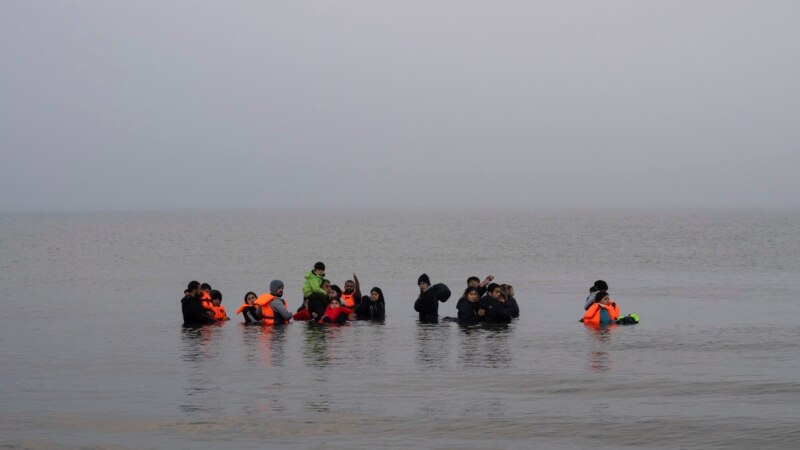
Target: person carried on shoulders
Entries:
(313, 291)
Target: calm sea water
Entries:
(94, 355)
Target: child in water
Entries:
(335, 313)
(603, 311)
(217, 308)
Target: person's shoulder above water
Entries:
(191, 308)
(372, 307)
(495, 309)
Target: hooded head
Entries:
(276, 288)
(424, 279)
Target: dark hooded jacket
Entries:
(369, 310)
(495, 311)
(468, 312)
(193, 311)
(427, 305)
(512, 307)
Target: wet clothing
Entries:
(313, 284)
(336, 315)
(427, 305)
(302, 314)
(250, 313)
(369, 310)
(193, 311)
(512, 307)
(205, 301)
(599, 314)
(279, 309)
(317, 303)
(495, 310)
(468, 312)
(219, 312)
(273, 309)
(350, 300)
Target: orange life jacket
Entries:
(219, 312)
(266, 311)
(333, 313)
(349, 300)
(205, 300)
(592, 315)
(241, 308)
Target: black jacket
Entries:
(427, 305)
(193, 311)
(495, 311)
(467, 312)
(369, 310)
(512, 307)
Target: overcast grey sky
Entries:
(175, 104)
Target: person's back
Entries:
(510, 302)
(597, 287)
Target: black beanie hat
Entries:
(424, 279)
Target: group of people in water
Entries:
(483, 301)
(323, 302)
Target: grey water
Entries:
(94, 355)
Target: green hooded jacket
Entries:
(313, 284)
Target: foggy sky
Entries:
(139, 105)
